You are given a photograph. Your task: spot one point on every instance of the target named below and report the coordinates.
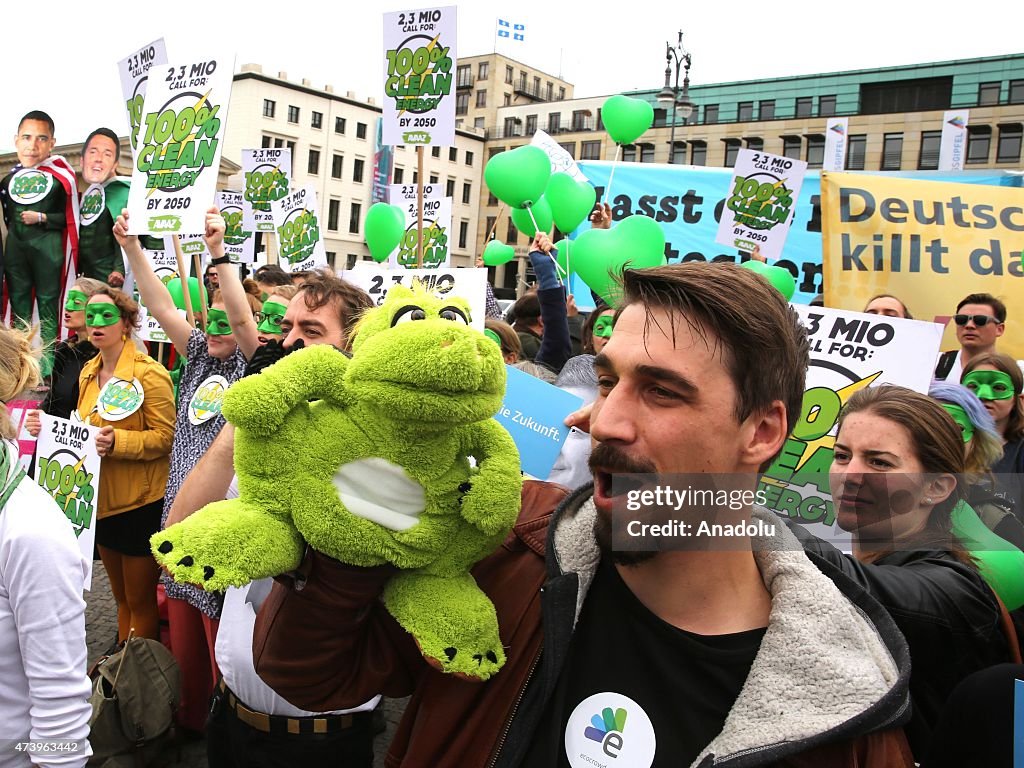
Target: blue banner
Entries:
(688, 200)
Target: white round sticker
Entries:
(29, 186)
(93, 202)
(609, 729)
(119, 399)
(205, 403)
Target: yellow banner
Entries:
(928, 243)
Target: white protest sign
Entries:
(953, 144)
(437, 225)
(849, 351)
(419, 77)
(134, 77)
(561, 161)
(469, 284)
(760, 202)
(240, 227)
(165, 265)
(68, 468)
(266, 172)
(193, 245)
(179, 146)
(301, 246)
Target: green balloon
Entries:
(999, 562)
(194, 289)
(626, 118)
(496, 252)
(571, 201)
(779, 277)
(383, 227)
(563, 258)
(518, 176)
(598, 256)
(541, 213)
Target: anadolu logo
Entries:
(30, 185)
(607, 729)
(93, 202)
(600, 741)
(957, 122)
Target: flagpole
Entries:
(495, 35)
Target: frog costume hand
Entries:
(374, 470)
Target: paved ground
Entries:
(101, 631)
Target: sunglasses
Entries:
(979, 320)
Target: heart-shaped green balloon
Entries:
(383, 228)
(571, 201)
(562, 258)
(496, 252)
(518, 176)
(196, 292)
(779, 277)
(626, 118)
(599, 255)
(541, 211)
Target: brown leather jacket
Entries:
(324, 642)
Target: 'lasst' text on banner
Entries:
(297, 221)
(240, 227)
(134, 78)
(419, 77)
(928, 243)
(468, 284)
(437, 225)
(266, 172)
(68, 468)
(180, 137)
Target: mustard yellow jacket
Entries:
(134, 473)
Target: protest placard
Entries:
(561, 161)
(759, 205)
(298, 231)
(533, 411)
(175, 168)
(437, 224)
(165, 266)
(134, 72)
(469, 284)
(240, 227)
(419, 77)
(849, 351)
(267, 173)
(16, 411)
(68, 468)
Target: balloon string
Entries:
(608, 191)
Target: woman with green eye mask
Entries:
(598, 328)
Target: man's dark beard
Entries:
(609, 459)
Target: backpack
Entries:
(135, 696)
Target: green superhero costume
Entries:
(98, 251)
(375, 470)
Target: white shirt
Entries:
(44, 688)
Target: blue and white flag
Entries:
(511, 30)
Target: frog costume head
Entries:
(367, 460)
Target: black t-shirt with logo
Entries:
(637, 690)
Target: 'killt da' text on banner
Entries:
(928, 243)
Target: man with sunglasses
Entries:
(980, 319)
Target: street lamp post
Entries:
(680, 99)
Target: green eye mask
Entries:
(989, 385)
(492, 336)
(217, 322)
(271, 317)
(100, 314)
(960, 417)
(76, 301)
(603, 326)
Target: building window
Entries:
(766, 110)
(313, 166)
(463, 233)
(1009, 143)
(453, 154)
(791, 147)
(732, 149)
(399, 175)
(536, 87)
(629, 153)
(803, 106)
(660, 116)
(918, 95)
(337, 162)
(755, 144)
(352, 259)
(570, 147)
(988, 93)
(461, 103)
(291, 147)
(265, 143)
(979, 142)
(481, 98)
(415, 177)
(467, 192)
(698, 153)
(826, 106)
(353, 219)
(491, 199)
(333, 213)
(330, 258)
(433, 178)
(293, 114)
(508, 100)
(357, 170)
(679, 153)
(508, 75)
(482, 70)
(711, 114)
(590, 150)
(317, 120)
(435, 151)
(269, 107)
(856, 152)
(510, 127)
(815, 151)
(490, 226)
(1016, 92)
(339, 125)
(892, 152)
(554, 122)
(469, 157)
(531, 125)
(360, 130)
(512, 232)
(449, 188)
(561, 93)
(745, 111)
(928, 160)
(478, 122)
(278, 143)
(579, 120)
(463, 76)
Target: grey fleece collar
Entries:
(822, 662)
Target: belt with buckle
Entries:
(293, 725)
